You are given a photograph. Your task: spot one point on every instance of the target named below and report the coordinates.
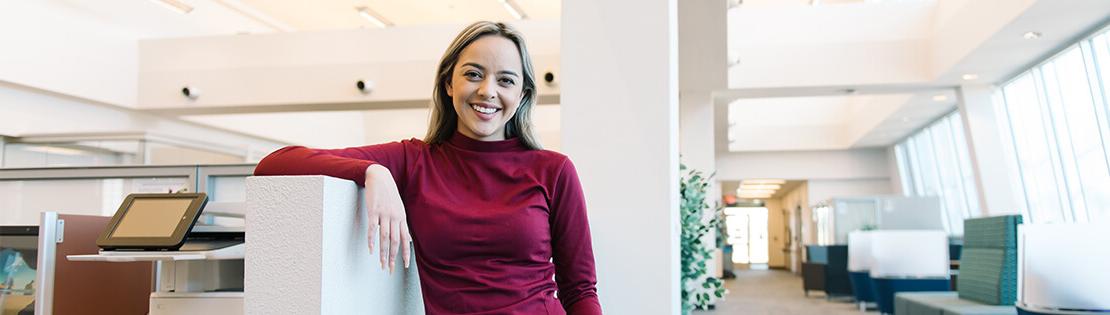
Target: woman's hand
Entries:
(387, 216)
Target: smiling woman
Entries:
(518, 231)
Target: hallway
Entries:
(775, 292)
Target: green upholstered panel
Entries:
(988, 266)
(991, 232)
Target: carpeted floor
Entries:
(776, 292)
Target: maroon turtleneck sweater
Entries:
(492, 221)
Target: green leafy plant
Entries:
(699, 289)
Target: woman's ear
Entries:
(447, 85)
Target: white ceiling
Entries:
(340, 14)
(152, 19)
(761, 23)
(1002, 52)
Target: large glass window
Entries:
(935, 162)
(1055, 118)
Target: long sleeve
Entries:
(571, 245)
(348, 163)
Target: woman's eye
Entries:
(507, 81)
(472, 75)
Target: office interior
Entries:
(865, 155)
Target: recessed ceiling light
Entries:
(373, 17)
(905, 119)
(175, 5)
(1032, 35)
(970, 76)
(940, 97)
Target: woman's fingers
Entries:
(394, 242)
(383, 237)
(406, 244)
(373, 230)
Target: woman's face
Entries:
(486, 87)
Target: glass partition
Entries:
(105, 149)
(24, 193)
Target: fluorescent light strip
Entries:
(175, 5)
(373, 17)
(56, 150)
(762, 181)
(514, 9)
(754, 196)
(760, 186)
(754, 192)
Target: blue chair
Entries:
(826, 269)
(813, 268)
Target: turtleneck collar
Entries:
(462, 141)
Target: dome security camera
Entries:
(364, 86)
(549, 77)
(190, 92)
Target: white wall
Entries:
(312, 68)
(823, 190)
(791, 200)
(620, 127)
(801, 165)
(338, 129)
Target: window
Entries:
(935, 162)
(1055, 116)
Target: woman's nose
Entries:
(486, 89)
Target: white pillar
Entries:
(702, 67)
(620, 127)
(307, 253)
(987, 150)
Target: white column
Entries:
(702, 67)
(307, 252)
(620, 127)
(993, 168)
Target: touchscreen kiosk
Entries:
(152, 222)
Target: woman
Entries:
(493, 217)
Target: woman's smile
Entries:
(485, 111)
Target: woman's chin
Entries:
(483, 132)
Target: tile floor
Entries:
(776, 292)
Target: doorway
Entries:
(747, 233)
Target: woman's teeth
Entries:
(484, 110)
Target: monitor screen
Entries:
(152, 217)
(18, 259)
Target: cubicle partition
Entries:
(1062, 269)
(907, 261)
(860, 261)
(27, 192)
(66, 287)
(84, 196)
(307, 252)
